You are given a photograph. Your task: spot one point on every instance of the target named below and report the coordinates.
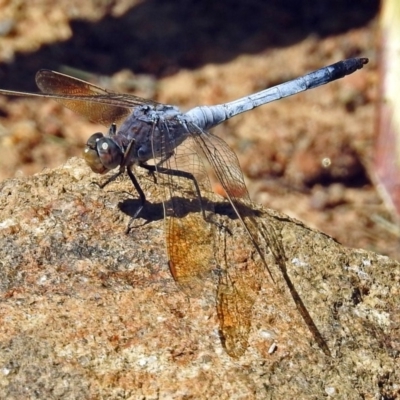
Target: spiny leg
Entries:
(187, 175)
(130, 150)
(178, 173)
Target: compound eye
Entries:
(91, 156)
(92, 141)
(109, 152)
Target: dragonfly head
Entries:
(102, 154)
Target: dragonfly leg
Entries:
(142, 199)
(183, 174)
(125, 166)
(141, 194)
(187, 175)
(113, 129)
(111, 178)
(152, 168)
(137, 186)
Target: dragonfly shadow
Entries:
(225, 208)
(152, 212)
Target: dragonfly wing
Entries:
(56, 83)
(189, 236)
(95, 111)
(195, 248)
(97, 104)
(239, 284)
(240, 272)
(227, 169)
(263, 238)
(272, 237)
(93, 102)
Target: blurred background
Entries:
(313, 156)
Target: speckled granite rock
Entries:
(88, 311)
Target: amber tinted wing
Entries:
(240, 279)
(96, 104)
(240, 275)
(194, 248)
(189, 236)
(228, 171)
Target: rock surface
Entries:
(88, 311)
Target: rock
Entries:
(89, 311)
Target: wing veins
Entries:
(228, 181)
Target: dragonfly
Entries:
(174, 146)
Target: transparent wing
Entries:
(196, 245)
(240, 273)
(239, 283)
(189, 237)
(270, 236)
(97, 104)
(227, 169)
